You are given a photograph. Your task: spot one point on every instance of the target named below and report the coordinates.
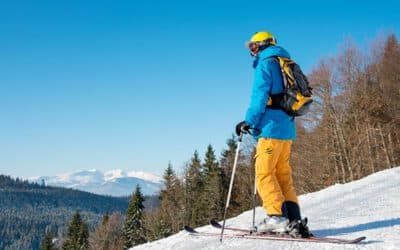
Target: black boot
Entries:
(299, 229)
(291, 210)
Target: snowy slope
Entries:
(368, 207)
(114, 182)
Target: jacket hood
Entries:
(273, 51)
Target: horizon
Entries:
(137, 85)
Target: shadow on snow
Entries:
(357, 228)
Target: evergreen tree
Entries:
(227, 159)
(78, 234)
(161, 230)
(134, 230)
(169, 179)
(47, 242)
(210, 160)
(194, 185)
(83, 239)
(170, 211)
(212, 194)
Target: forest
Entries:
(28, 210)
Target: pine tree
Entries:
(161, 230)
(47, 242)
(194, 185)
(212, 193)
(228, 156)
(83, 239)
(134, 231)
(169, 179)
(78, 234)
(210, 160)
(170, 211)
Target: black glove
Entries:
(242, 128)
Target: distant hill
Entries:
(115, 182)
(27, 209)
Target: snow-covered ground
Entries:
(368, 207)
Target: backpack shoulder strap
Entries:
(275, 58)
(275, 99)
(286, 68)
(283, 62)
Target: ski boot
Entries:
(299, 229)
(273, 225)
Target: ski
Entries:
(216, 224)
(245, 233)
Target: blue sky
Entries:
(136, 84)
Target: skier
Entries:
(275, 131)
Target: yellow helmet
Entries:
(259, 41)
(262, 36)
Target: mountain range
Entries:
(115, 182)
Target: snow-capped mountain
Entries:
(368, 207)
(115, 182)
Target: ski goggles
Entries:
(254, 48)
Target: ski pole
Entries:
(254, 229)
(231, 184)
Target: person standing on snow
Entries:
(275, 132)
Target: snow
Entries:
(145, 176)
(368, 207)
(114, 174)
(118, 173)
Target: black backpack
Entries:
(297, 96)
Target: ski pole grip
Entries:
(240, 136)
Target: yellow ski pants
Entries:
(274, 174)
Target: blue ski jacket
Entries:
(271, 123)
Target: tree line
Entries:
(28, 209)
